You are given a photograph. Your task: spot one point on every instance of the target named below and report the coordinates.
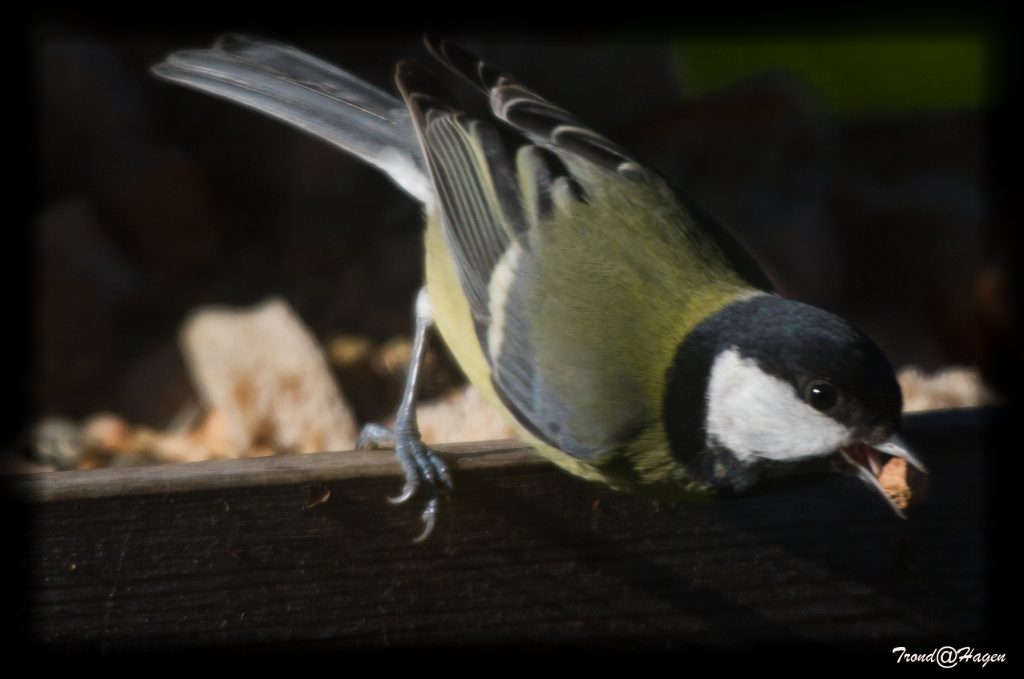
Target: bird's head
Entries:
(770, 389)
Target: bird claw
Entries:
(440, 470)
(422, 466)
(429, 518)
(408, 490)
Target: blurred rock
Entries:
(948, 388)
(110, 441)
(461, 416)
(164, 447)
(347, 350)
(266, 375)
(213, 433)
(57, 442)
(106, 431)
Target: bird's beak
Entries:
(868, 461)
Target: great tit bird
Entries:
(623, 334)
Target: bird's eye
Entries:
(821, 395)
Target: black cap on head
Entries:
(831, 366)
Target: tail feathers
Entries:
(314, 96)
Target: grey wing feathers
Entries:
(311, 94)
(541, 121)
(478, 196)
(579, 147)
(494, 205)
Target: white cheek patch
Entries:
(756, 415)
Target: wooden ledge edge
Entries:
(320, 467)
(247, 472)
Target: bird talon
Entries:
(420, 464)
(441, 470)
(407, 492)
(429, 517)
(426, 470)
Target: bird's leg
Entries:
(422, 466)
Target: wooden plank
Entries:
(303, 552)
(253, 472)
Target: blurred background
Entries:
(854, 165)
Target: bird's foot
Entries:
(422, 466)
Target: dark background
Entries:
(853, 157)
(139, 200)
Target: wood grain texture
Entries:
(304, 553)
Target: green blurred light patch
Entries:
(854, 76)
